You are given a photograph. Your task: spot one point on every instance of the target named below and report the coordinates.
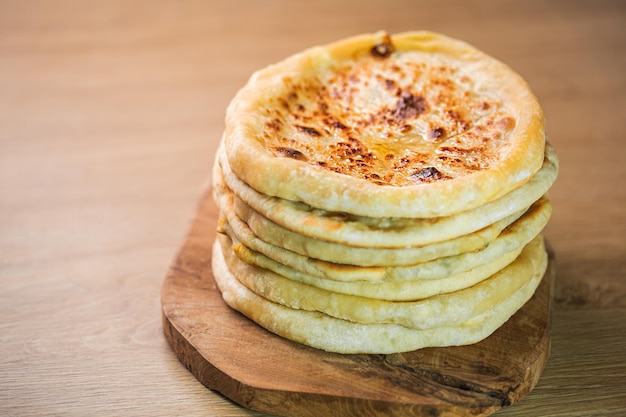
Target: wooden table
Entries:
(110, 113)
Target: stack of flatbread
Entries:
(382, 194)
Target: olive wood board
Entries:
(232, 355)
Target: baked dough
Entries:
(259, 226)
(515, 236)
(382, 290)
(325, 332)
(387, 232)
(440, 310)
(382, 194)
(411, 125)
(352, 255)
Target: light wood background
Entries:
(110, 112)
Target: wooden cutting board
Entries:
(260, 371)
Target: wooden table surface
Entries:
(110, 112)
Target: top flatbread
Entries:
(411, 125)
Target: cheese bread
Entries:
(410, 125)
(333, 334)
(388, 232)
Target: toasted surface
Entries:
(337, 335)
(388, 232)
(411, 125)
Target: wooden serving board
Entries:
(264, 372)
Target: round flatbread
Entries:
(513, 238)
(390, 232)
(337, 335)
(383, 290)
(513, 284)
(351, 255)
(414, 125)
(277, 235)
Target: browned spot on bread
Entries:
(427, 174)
(383, 49)
(409, 106)
(290, 153)
(311, 131)
(437, 133)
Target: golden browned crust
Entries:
(428, 123)
(386, 126)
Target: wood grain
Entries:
(261, 371)
(110, 112)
